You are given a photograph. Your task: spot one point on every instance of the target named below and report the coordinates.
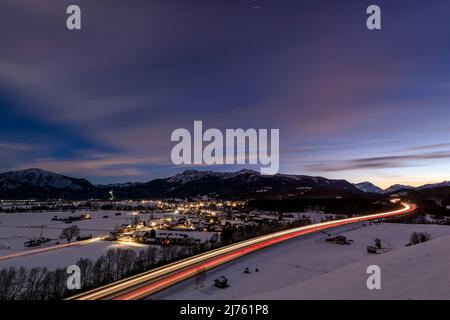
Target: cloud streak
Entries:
(135, 73)
(378, 162)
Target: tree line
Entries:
(40, 283)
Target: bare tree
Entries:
(86, 267)
(98, 277)
(418, 237)
(33, 286)
(146, 259)
(69, 233)
(56, 284)
(109, 265)
(7, 283)
(169, 253)
(214, 238)
(124, 262)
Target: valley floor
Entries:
(17, 228)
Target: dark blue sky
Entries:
(350, 103)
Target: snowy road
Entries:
(308, 267)
(148, 283)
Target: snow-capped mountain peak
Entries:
(371, 188)
(39, 178)
(247, 171)
(397, 187)
(436, 185)
(368, 187)
(190, 175)
(194, 175)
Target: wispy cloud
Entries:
(19, 146)
(429, 147)
(165, 64)
(378, 162)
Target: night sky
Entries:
(350, 103)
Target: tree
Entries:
(69, 233)
(214, 238)
(418, 237)
(7, 280)
(227, 233)
(169, 253)
(146, 259)
(86, 267)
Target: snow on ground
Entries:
(418, 272)
(203, 236)
(309, 267)
(313, 216)
(17, 228)
(64, 257)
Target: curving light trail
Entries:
(147, 283)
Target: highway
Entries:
(147, 283)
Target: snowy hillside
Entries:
(416, 272)
(308, 267)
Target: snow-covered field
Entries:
(64, 257)
(17, 228)
(418, 272)
(313, 216)
(310, 268)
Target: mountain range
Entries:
(40, 184)
(369, 187)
